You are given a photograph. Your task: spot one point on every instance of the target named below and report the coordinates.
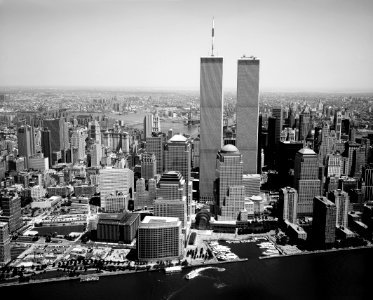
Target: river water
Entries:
(335, 275)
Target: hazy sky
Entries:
(308, 45)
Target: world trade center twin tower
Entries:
(211, 124)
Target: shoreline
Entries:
(189, 267)
(118, 273)
(315, 252)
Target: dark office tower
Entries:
(345, 126)
(11, 205)
(368, 179)
(154, 144)
(56, 127)
(148, 165)
(46, 146)
(285, 161)
(306, 180)
(247, 112)
(351, 148)
(259, 162)
(25, 137)
(304, 124)
(352, 134)
(211, 124)
(324, 220)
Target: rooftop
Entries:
(307, 151)
(229, 148)
(178, 138)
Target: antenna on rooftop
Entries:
(212, 37)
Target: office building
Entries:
(11, 206)
(4, 244)
(78, 142)
(26, 147)
(57, 133)
(251, 182)
(304, 124)
(229, 172)
(288, 198)
(116, 202)
(46, 146)
(148, 124)
(368, 180)
(211, 124)
(247, 112)
(342, 203)
(159, 238)
(171, 197)
(120, 227)
(96, 155)
(115, 180)
(148, 165)
(333, 165)
(338, 125)
(178, 158)
(142, 195)
(324, 220)
(38, 162)
(172, 186)
(95, 131)
(306, 180)
(154, 144)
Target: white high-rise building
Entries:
(114, 181)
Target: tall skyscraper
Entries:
(342, 203)
(96, 155)
(178, 158)
(368, 179)
(148, 165)
(78, 143)
(247, 112)
(304, 124)
(338, 124)
(289, 202)
(95, 131)
(306, 180)
(154, 144)
(324, 220)
(229, 171)
(148, 126)
(4, 244)
(26, 147)
(142, 195)
(211, 124)
(57, 129)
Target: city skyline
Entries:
(131, 43)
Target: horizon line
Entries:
(190, 89)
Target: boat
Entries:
(192, 274)
(172, 270)
(89, 278)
